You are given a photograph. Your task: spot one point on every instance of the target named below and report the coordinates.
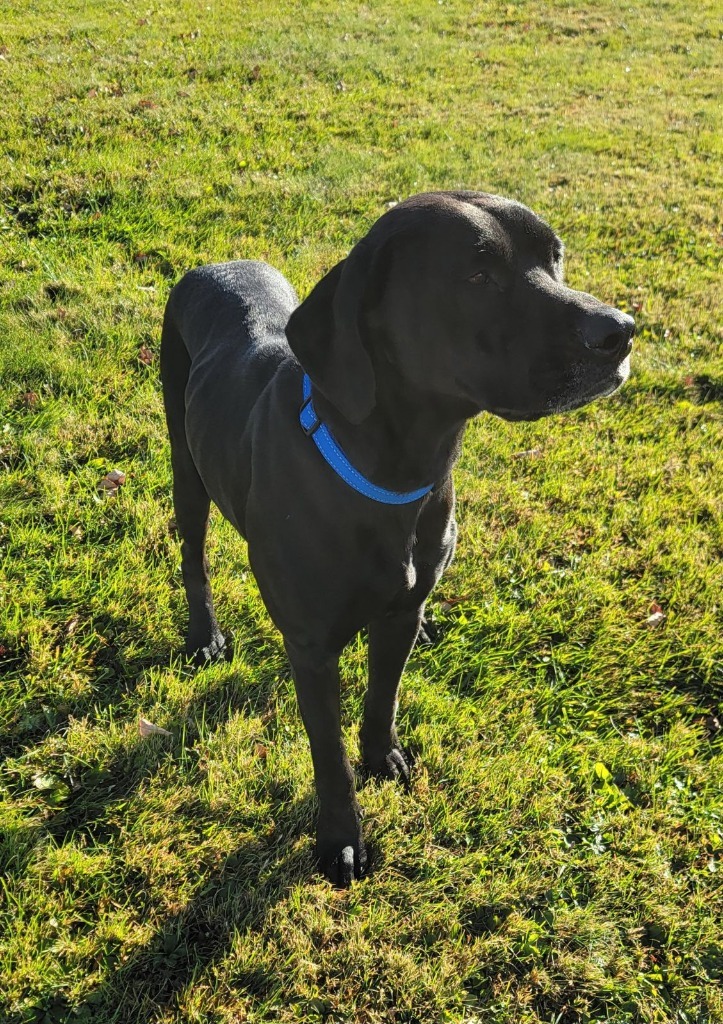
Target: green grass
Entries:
(559, 857)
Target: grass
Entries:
(559, 857)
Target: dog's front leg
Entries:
(339, 842)
(391, 638)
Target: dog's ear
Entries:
(325, 334)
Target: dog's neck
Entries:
(411, 439)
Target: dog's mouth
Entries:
(584, 390)
(578, 390)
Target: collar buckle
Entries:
(308, 418)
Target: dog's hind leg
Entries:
(391, 639)
(204, 640)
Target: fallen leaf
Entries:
(712, 725)
(45, 781)
(145, 355)
(260, 750)
(529, 453)
(71, 626)
(146, 729)
(656, 617)
(111, 482)
(449, 602)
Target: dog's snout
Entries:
(609, 333)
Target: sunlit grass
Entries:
(558, 858)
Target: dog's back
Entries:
(223, 341)
(233, 316)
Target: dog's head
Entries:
(462, 292)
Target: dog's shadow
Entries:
(232, 901)
(231, 897)
(115, 675)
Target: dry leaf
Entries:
(712, 725)
(145, 355)
(448, 603)
(656, 616)
(111, 482)
(529, 453)
(45, 781)
(146, 729)
(260, 750)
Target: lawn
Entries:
(558, 859)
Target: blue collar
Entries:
(321, 436)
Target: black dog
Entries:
(453, 304)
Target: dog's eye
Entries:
(479, 278)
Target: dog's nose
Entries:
(609, 333)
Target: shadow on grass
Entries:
(232, 901)
(81, 801)
(234, 898)
(115, 676)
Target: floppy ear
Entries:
(324, 333)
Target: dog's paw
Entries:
(343, 866)
(341, 851)
(214, 651)
(394, 764)
(428, 634)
